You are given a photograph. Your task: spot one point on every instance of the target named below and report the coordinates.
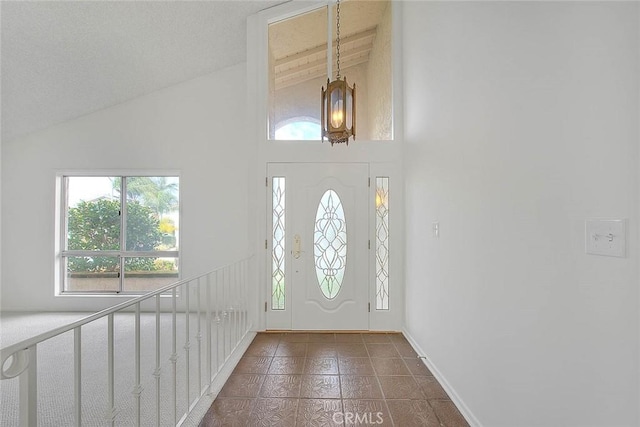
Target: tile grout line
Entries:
(384, 397)
(304, 365)
(370, 354)
(339, 376)
(413, 375)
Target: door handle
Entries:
(296, 246)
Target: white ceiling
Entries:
(61, 60)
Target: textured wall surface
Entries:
(379, 79)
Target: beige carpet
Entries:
(55, 367)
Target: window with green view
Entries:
(121, 233)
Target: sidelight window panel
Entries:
(382, 243)
(278, 244)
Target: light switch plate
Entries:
(606, 237)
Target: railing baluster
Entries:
(244, 298)
(174, 355)
(226, 304)
(218, 301)
(199, 338)
(246, 295)
(241, 289)
(156, 373)
(111, 410)
(29, 389)
(238, 302)
(238, 312)
(229, 305)
(225, 274)
(187, 344)
(209, 341)
(241, 298)
(230, 311)
(234, 293)
(229, 323)
(137, 389)
(77, 375)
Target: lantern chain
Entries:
(338, 38)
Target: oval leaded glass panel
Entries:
(330, 244)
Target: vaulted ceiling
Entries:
(61, 60)
(298, 45)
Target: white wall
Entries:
(196, 127)
(521, 121)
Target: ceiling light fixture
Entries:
(338, 102)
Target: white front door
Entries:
(319, 261)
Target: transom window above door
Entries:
(298, 67)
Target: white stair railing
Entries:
(220, 305)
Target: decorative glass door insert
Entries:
(330, 244)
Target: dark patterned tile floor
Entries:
(325, 379)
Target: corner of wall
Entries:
(455, 397)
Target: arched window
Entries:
(299, 129)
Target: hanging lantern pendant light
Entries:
(338, 102)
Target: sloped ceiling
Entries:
(61, 60)
(298, 45)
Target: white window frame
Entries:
(61, 232)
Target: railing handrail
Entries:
(13, 348)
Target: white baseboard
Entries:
(200, 409)
(455, 398)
